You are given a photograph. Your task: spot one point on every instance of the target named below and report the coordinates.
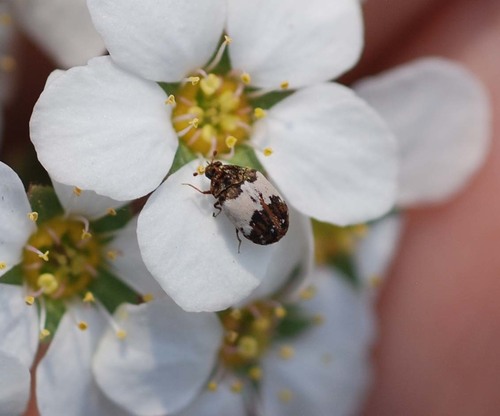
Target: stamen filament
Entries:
(219, 54)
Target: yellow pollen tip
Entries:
(318, 319)
(262, 324)
(89, 297)
(85, 235)
(236, 386)
(147, 297)
(111, 212)
(375, 281)
(112, 254)
(7, 63)
(231, 336)
(3, 265)
(212, 385)
(284, 85)
(308, 293)
(210, 84)
(77, 191)
(44, 256)
(231, 141)
(208, 132)
(44, 333)
(48, 283)
(200, 170)
(193, 80)
(121, 334)
(285, 395)
(33, 216)
(259, 112)
(255, 373)
(245, 78)
(267, 151)
(82, 325)
(279, 312)
(286, 352)
(227, 39)
(170, 100)
(29, 300)
(194, 122)
(248, 347)
(235, 313)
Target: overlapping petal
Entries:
(164, 361)
(18, 324)
(278, 41)
(440, 115)
(128, 264)
(15, 227)
(333, 157)
(330, 370)
(62, 27)
(88, 204)
(103, 129)
(14, 385)
(159, 40)
(193, 255)
(64, 376)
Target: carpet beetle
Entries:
(249, 200)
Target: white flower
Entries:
(65, 377)
(14, 385)
(123, 139)
(62, 28)
(324, 367)
(441, 117)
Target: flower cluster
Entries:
(163, 306)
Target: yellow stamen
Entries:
(267, 151)
(212, 385)
(121, 334)
(77, 191)
(318, 319)
(285, 395)
(112, 254)
(227, 39)
(236, 386)
(248, 347)
(111, 212)
(148, 297)
(82, 325)
(210, 84)
(170, 100)
(200, 169)
(44, 256)
(33, 216)
(279, 312)
(231, 141)
(286, 352)
(259, 112)
(208, 132)
(284, 85)
(231, 336)
(3, 265)
(308, 293)
(235, 313)
(375, 281)
(255, 373)
(29, 300)
(85, 235)
(245, 78)
(194, 122)
(262, 324)
(193, 80)
(44, 333)
(89, 298)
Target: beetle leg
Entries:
(217, 206)
(199, 190)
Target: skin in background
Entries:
(439, 310)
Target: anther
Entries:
(235, 313)
(33, 216)
(308, 293)
(259, 112)
(89, 297)
(210, 84)
(77, 191)
(284, 85)
(268, 151)
(48, 283)
(29, 300)
(245, 78)
(218, 55)
(82, 325)
(255, 373)
(248, 347)
(285, 395)
(85, 235)
(375, 281)
(121, 334)
(192, 80)
(212, 385)
(200, 170)
(318, 319)
(147, 297)
(236, 386)
(170, 100)
(231, 336)
(286, 352)
(3, 265)
(43, 256)
(111, 212)
(279, 312)
(44, 333)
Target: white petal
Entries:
(441, 116)
(277, 40)
(222, 402)
(159, 40)
(14, 385)
(67, 367)
(15, 226)
(333, 157)
(18, 324)
(62, 27)
(329, 371)
(163, 362)
(193, 255)
(377, 249)
(101, 128)
(294, 257)
(128, 265)
(88, 203)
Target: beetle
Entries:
(249, 200)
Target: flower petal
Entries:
(88, 203)
(441, 116)
(277, 40)
(377, 249)
(333, 157)
(74, 375)
(63, 28)
(193, 255)
(160, 41)
(163, 362)
(292, 262)
(103, 129)
(14, 385)
(330, 367)
(18, 324)
(128, 265)
(15, 226)
(222, 402)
